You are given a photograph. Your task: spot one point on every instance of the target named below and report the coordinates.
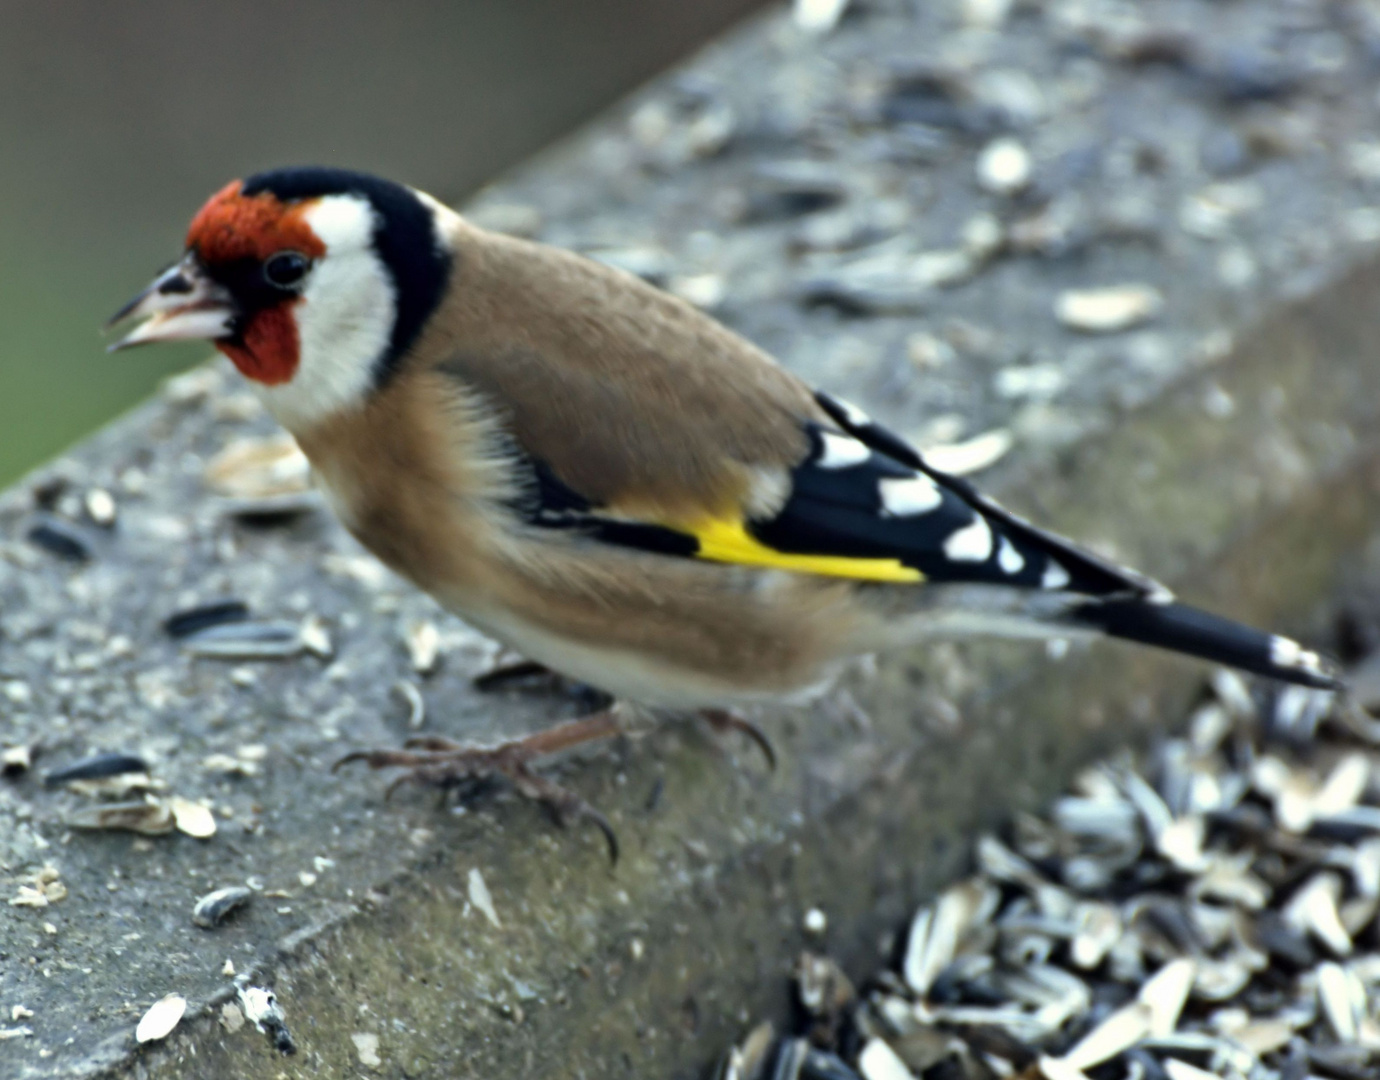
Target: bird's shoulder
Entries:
(629, 396)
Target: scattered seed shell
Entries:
(162, 1017)
(972, 455)
(60, 539)
(1108, 310)
(192, 620)
(423, 642)
(878, 1061)
(818, 16)
(261, 1009)
(1004, 167)
(1226, 882)
(192, 818)
(151, 817)
(16, 759)
(247, 640)
(97, 767)
(215, 907)
(255, 468)
(482, 899)
(100, 507)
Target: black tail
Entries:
(1184, 629)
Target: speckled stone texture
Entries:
(821, 194)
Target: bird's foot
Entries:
(723, 721)
(435, 761)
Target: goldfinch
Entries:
(606, 479)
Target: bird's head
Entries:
(314, 282)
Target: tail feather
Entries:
(1185, 629)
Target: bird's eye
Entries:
(286, 269)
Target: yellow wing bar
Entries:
(728, 542)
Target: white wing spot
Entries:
(1054, 577)
(909, 496)
(854, 415)
(1009, 559)
(840, 452)
(972, 543)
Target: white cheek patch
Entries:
(344, 317)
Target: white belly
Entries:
(628, 676)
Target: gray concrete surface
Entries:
(1221, 156)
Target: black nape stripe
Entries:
(405, 238)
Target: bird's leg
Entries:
(438, 761)
(723, 721)
(501, 674)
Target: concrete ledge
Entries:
(1229, 446)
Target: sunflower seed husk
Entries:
(250, 640)
(1165, 994)
(749, 1058)
(163, 1015)
(1120, 1031)
(97, 767)
(1343, 1000)
(822, 1065)
(423, 641)
(261, 1009)
(60, 539)
(1098, 927)
(192, 818)
(1208, 914)
(1314, 910)
(152, 817)
(15, 760)
(936, 933)
(878, 1061)
(257, 468)
(790, 1059)
(1177, 1069)
(213, 908)
(192, 620)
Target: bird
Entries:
(609, 481)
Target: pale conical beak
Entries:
(181, 304)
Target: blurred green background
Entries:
(117, 119)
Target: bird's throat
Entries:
(269, 349)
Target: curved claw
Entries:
(350, 758)
(757, 735)
(721, 720)
(437, 761)
(605, 827)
